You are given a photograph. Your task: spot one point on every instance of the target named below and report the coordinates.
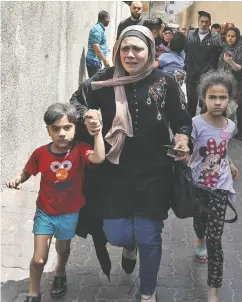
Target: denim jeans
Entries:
(144, 233)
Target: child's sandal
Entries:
(201, 253)
(59, 287)
(33, 299)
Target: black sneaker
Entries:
(128, 265)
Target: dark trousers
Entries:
(207, 225)
(239, 118)
(192, 98)
(91, 70)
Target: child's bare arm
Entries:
(98, 156)
(18, 180)
(234, 170)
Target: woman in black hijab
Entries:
(231, 61)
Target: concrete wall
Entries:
(221, 11)
(42, 46)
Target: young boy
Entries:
(61, 164)
(172, 62)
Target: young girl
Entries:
(213, 169)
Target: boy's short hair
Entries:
(178, 42)
(57, 110)
(216, 26)
(102, 15)
(153, 23)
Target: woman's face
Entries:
(133, 54)
(231, 37)
(167, 36)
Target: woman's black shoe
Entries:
(128, 265)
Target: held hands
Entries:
(15, 183)
(181, 147)
(93, 121)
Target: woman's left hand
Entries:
(181, 147)
(228, 59)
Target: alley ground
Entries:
(180, 277)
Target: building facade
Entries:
(221, 12)
(43, 50)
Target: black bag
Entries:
(184, 201)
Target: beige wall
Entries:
(42, 43)
(221, 11)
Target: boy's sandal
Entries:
(201, 254)
(33, 298)
(59, 287)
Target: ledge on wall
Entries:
(128, 2)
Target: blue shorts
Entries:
(63, 227)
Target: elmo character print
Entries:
(61, 171)
(213, 156)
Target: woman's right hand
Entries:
(228, 58)
(93, 121)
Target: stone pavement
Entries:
(180, 277)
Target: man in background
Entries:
(216, 28)
(136, 18)
(155, 25)
(97, 45)
(202, 52)
(230, 25)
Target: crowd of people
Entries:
(115, 134)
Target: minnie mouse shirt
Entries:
(209, 161)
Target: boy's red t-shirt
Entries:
(61, 186)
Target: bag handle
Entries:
(232, 220)
(209, 211)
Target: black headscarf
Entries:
(166, 28)
(236, 50)
(237, 33)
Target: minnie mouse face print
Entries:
(213, 163)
